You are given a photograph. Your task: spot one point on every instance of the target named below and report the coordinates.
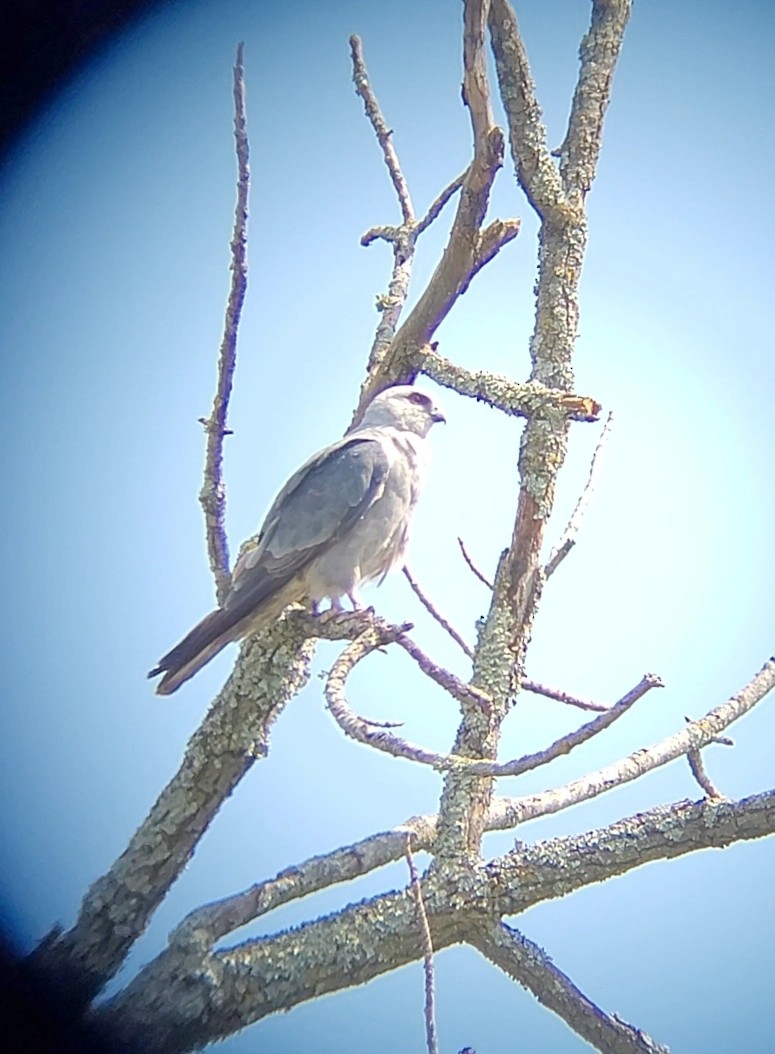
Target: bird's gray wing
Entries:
(318, 505)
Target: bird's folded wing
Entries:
(319, 504)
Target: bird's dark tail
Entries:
(203, 643)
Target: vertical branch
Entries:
(212, 496)
(598, 53)
(430, 995)
(500, 657)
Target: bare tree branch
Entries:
(222, 992)
(381, 130)
(698, 771)
(435, 613)
(599, 53)
(472, 566)
(374, 734)
(436, 207)
(116, 909)
(467, 249)
(531, 967)
(563, 697)
(513, 397)
(696, 735)
(212, 496)
(568, 539)
(430, 1011)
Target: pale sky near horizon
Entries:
(115, 218)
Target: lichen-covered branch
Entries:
(521, 399)
(212, 496)
(530, 966)
(499, 664)
(115, 911)
(598, 53)
(193, 997)
(470, 246)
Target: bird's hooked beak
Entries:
(439, 417)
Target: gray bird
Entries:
(340, 521)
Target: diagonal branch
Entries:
(212, 496)
(210, 996)
(427, 940)
(469, 247)
(383, 133)
(434, 613)
(530, 966)
(563, 697)
(696, 735)
(273, 667)
(568, 539)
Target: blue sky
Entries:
(115, 218)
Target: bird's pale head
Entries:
(402, 407)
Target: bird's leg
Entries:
(355, 599)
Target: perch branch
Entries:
(273, 667)
(212, 496)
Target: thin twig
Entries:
(568, 539)
(212, 496)
(381, 130)
(698, 771)
(430, 1012)
(435, 208)
(467, 248)
(472, 565)
(435, 613)
(563, 697)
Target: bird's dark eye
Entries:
(419, 399)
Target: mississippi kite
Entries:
(338, 522)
